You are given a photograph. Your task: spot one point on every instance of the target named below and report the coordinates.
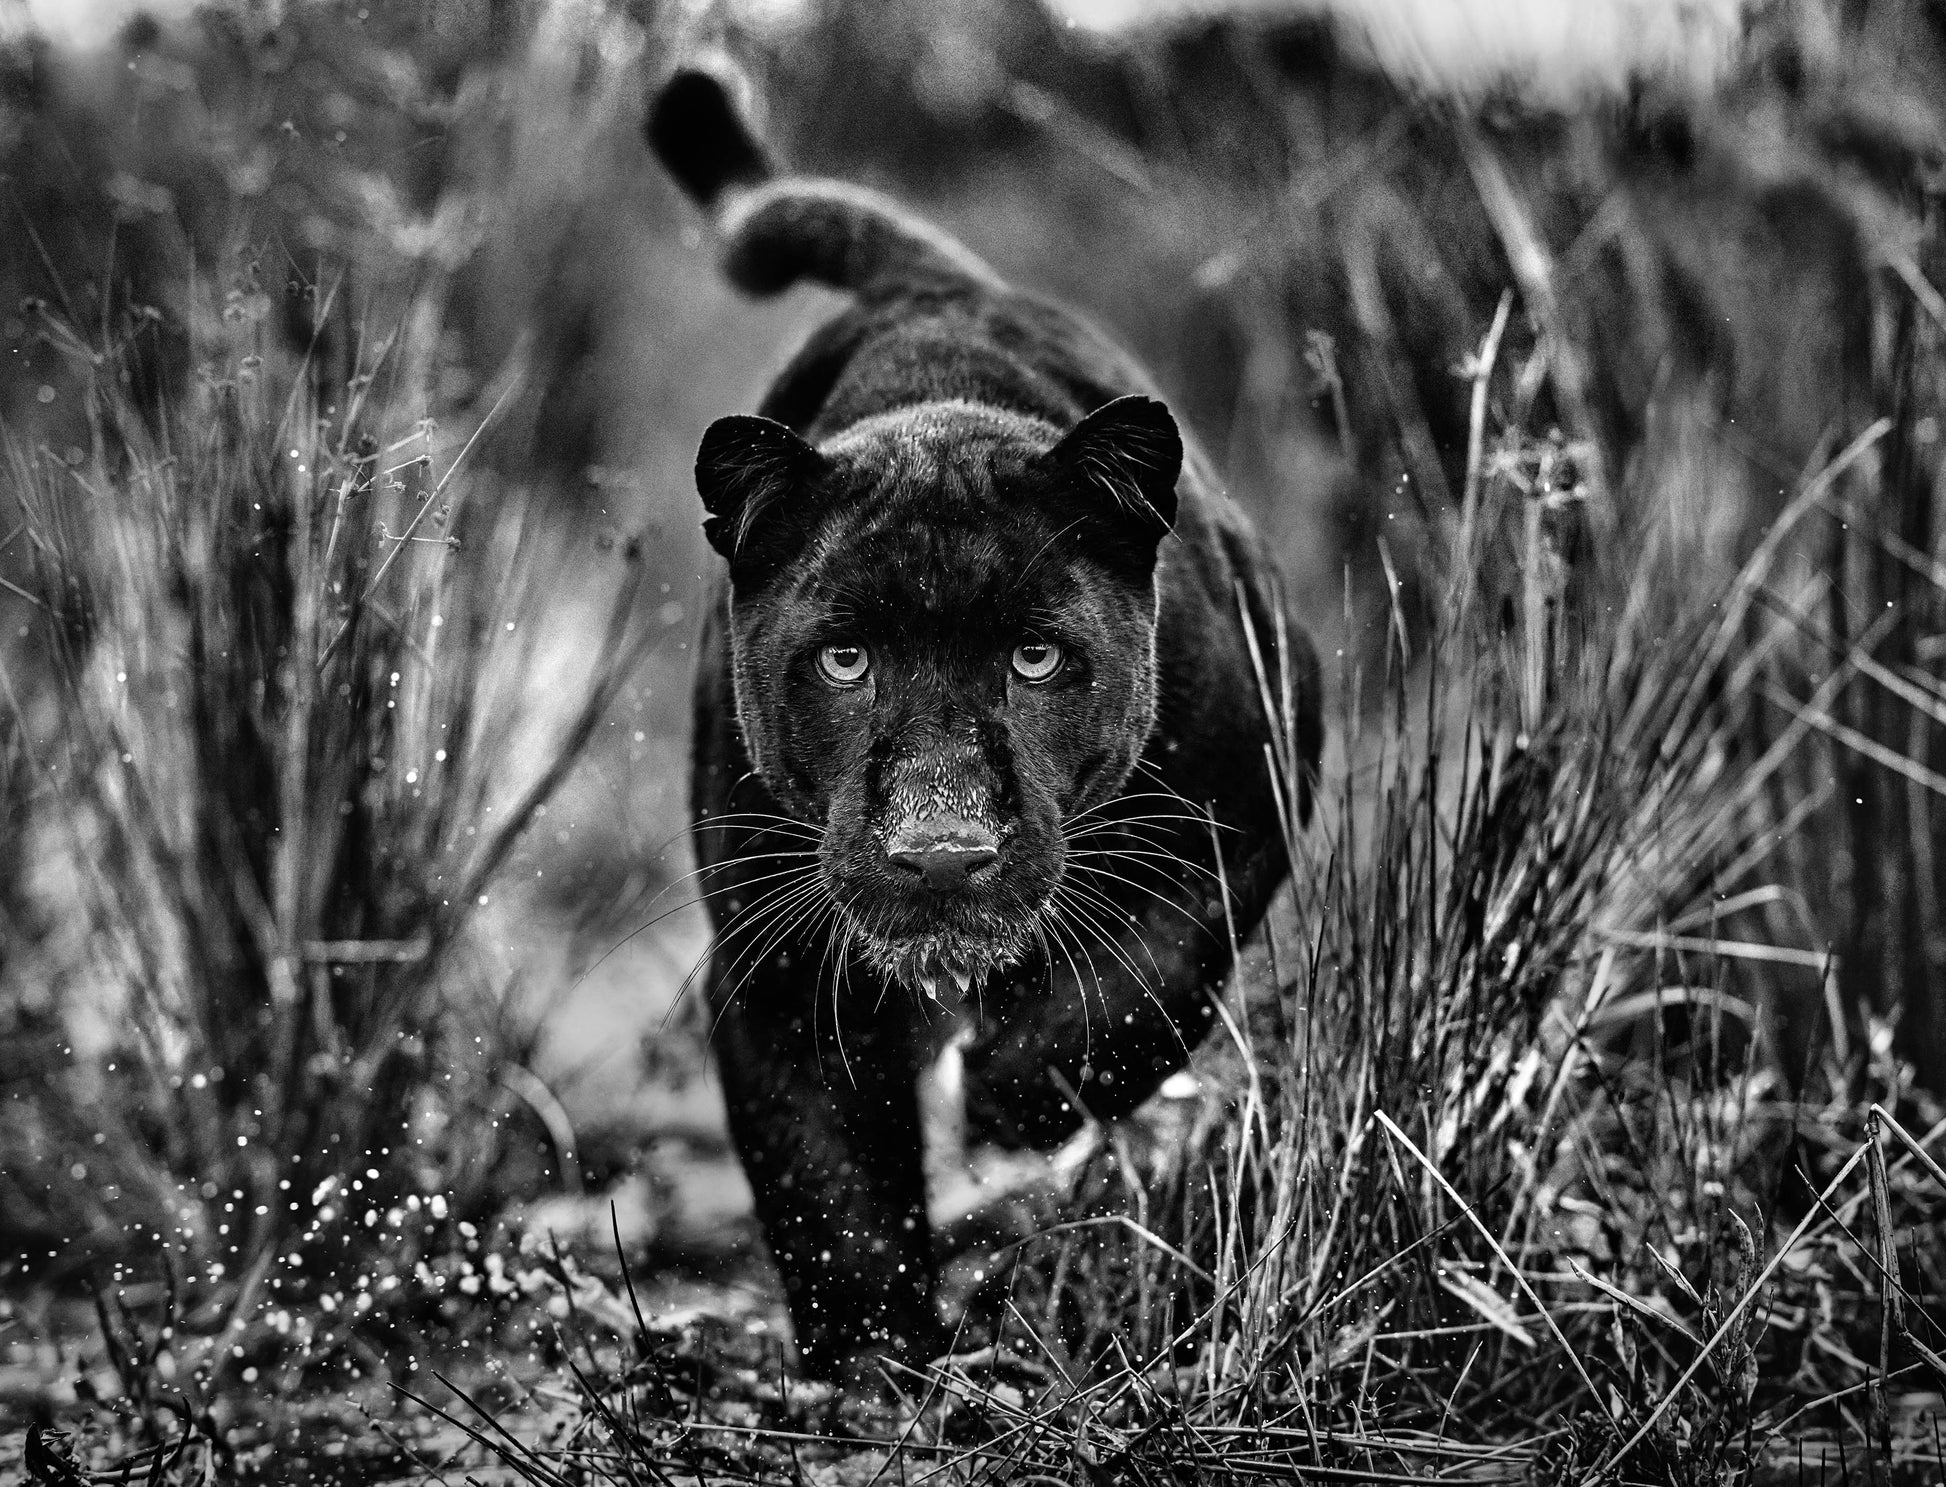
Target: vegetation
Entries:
(1580, 1121)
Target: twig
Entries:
(1917, 1148)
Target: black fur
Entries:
(950, 480)
(842, 235)
(701, 140)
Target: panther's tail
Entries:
(777, 229)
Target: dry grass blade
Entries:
(1916, 1147)
(1634, 1303)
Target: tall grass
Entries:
(281, 735)
(1499, 1178)
(1495, 1174)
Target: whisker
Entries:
(696, 873)
(1142, 859)
(802, 828)
(751, 919)
(1155, 830)
(758, 823)
(1111, 876)
(1110, 943)
(1129, 797)
(1100, 915)
(1082, 825)
(783, 922)
(850, 932)
(836, 946)
(764, 910)
(1188, 815)
(720, 867)
(654, 919)
(1059, 920)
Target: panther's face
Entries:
(944, 635)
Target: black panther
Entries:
(979, 735)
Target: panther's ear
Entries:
(1123, 460)
(754, 475)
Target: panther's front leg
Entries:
(825, 1118)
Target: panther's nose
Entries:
(944, 851)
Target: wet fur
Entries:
(947, 467)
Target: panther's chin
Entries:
(945, 966)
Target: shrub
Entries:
(283, 733)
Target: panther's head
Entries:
(943, 624)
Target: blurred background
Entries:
(351, 342)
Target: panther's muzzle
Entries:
(943, 852)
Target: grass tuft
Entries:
(277, 735)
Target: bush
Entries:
(282, 738)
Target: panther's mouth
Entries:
(943, 967)
(938, 964)
(943, 947)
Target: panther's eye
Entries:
(844, 665)
(1037, 660)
